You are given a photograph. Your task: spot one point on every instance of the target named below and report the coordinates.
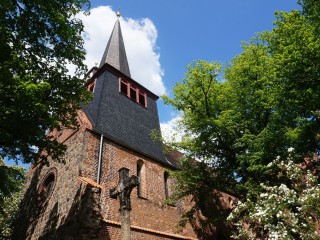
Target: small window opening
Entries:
(141, 189)
(142, 99)
(124, 88)
(91, 86)
(139, 176)
(133, 94)
(166, 187)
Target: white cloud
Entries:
(140, 42)
(171, 131)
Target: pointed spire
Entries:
(115, 53)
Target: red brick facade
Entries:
(72, 200)
(78, 208)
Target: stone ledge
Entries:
(147, 230)
(90, 182)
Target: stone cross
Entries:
(123, 191)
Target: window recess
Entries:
(133, 92)
(124, 87)
(91, 86)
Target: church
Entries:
(73, 200)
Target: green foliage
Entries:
(268, 102)
(38, 39)
(12, 179)
(8, 214)
(311, 10)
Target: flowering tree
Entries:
(267, 102)
(290, 210)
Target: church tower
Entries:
(72, 200)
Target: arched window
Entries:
(47, 186)
(166, 184)
(141, 190)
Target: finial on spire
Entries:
(118, 13)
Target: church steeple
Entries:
(123, 110)
(115, 53)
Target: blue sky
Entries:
(163, 37)
(203, 29)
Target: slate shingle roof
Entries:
(115, 53)
(116, 116)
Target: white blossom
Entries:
(290, 205)
(290, 149)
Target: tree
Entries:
(38, 40)
(290, 210)
(12, 179)
(268, 103)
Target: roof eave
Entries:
(167, 164)
(117, 72)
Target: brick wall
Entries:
(148, 211)
(113, 231)
(70, 203)
(80, 210)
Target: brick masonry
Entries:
(77, 209)
(148, 211)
